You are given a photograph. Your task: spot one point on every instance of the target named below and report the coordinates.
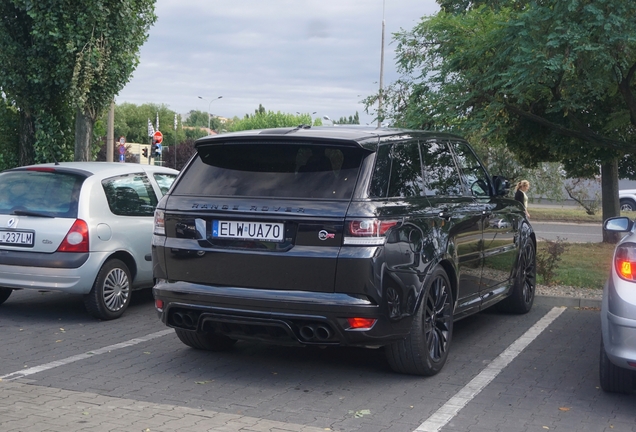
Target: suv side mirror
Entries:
(501, 185)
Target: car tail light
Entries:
(625, 261)
(160, 227)
(76, 239)
(361, 323)
(367, 232)
(159, 304)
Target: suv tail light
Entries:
(625, 261)
(76, 239)
(367, 232)
(160, 222)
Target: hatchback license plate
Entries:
(18, 238)
(266, 231)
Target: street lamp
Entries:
(202, 98)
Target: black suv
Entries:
(338, 236)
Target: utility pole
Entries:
(110, 133)
(380, 95)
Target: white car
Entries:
(81, 228)
(627, 199)
(618, 313)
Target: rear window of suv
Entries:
(272, 170)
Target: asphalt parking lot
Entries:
(64, 371)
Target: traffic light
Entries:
(145, 152)
(153, 150)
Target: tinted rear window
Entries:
(50, 193)
(272, 170)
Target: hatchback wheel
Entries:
(613, 378)
(205, 341)
(523, 289)
(425, 349)
(4, 294)
(110, 295)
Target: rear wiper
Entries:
(31, 213)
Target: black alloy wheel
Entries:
(425, 350)
(524, 286)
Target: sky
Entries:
(290, 56)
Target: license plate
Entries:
(18, 238)
(265, 231)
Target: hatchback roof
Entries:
(108, 168)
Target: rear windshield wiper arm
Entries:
(31, 213)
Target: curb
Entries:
(574, 302)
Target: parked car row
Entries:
(337, 236)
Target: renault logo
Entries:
(12, 222)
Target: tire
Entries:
(110, 296)
(614, 379)
(4, 294)
(627, 204)
(205, 341)
(425, 349)
(521, 296)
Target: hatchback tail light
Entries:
(367, 232)
(76, 239)
(625, 261)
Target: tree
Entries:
(262, 119)
(64, 59)
(552, 80)
(355, 119)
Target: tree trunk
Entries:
(83, 136)
(609, 191)
(27, 139)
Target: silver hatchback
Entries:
(82, 228)
(618, 313)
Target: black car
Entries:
(338, 236)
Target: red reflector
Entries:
(359, 323)
(159, 304)
(44, 169)
(76, 239)
(632, 364)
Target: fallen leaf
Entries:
(59, 340)
(564, 409)
(545, 427)
(146, 352)
(361, 413)
(203, 382)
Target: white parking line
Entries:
(450, 409)
(54, 364)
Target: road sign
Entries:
(122, 140)
(122, 150)
(158, 137)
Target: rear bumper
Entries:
(52, 277)
(618, 324)
(275, 316)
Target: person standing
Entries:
(520, 194)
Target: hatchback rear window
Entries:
(46, 192)
(272, 170)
